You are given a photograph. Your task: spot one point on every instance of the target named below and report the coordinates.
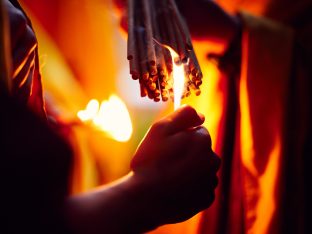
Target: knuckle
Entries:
(213, 163)
(158, 127)
(154, 127)
(202, 137)
(217, 161)
(190, 111)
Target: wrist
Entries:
(145, 204)
(125, 206)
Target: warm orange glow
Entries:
(261, 212)
(178, 76)
(111, 117)
(267, 182)
(90, 112)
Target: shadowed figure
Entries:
(173, 171)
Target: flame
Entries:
(178, 77)
(111, 117)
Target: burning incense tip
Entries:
(160, 49)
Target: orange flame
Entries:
(178, 78)
(178, 75)
(111, 117)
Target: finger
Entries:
(203, 136)
(152, 148)
(205, 139)
(184, 118)
(216, 161)
(201, 130)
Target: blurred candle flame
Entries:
(111, 117)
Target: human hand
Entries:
(173, 177)
(206, 20)
(177, 165)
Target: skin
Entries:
(173, 172)
(173, 177)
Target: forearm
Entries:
(174, 178)
(122, 207)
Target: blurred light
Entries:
(112, 117)
(90, 112)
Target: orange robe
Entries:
(265, 138)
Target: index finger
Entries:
(184, 118)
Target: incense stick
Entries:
(151, 21)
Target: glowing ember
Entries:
(112, 117)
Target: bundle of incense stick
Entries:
(152, 26)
